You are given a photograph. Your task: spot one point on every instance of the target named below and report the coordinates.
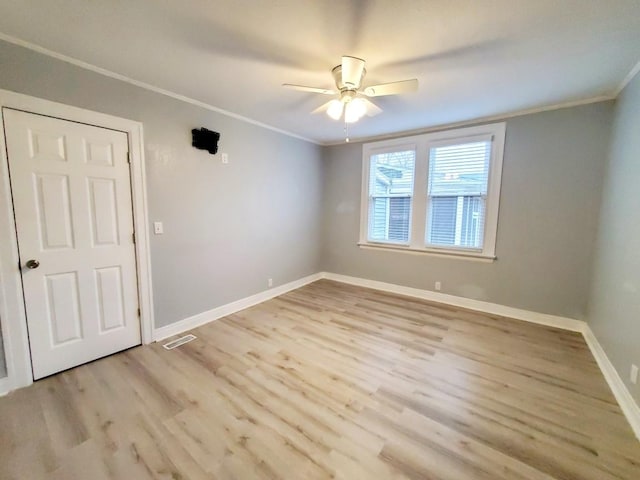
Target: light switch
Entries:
(225, 158)
(157, 228)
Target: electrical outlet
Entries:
(438, 286)
(158, 229)
(225, 158)
(634, 374)
(270, 282)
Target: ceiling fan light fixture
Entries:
(335, 109)
(352, 103)
(354, 111)
(349, 117)
(359, 107)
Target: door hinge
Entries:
(138, 312)
(128, 157)
(133, 236)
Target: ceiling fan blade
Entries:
(303, 88)
(352, 69)
(372, 108)
(322, 108)
(392, 88)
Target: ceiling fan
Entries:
(352, 101)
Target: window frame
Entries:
(422, 145)
(389, 147)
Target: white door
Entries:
(72, 202)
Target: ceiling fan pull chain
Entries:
(346, 131)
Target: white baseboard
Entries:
(205, 317)
(478, 305)
(628, 405)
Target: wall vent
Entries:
(179, 341)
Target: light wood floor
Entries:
(329, 381)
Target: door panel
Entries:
(53, 209)
(63, 308)
(47, 145)
(110, 298)
(72, 201)
(104, 214)
(98, 153)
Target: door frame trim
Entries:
(12, 313)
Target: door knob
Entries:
(33, 264)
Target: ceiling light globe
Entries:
(358, 107)
(335, 109)
(350, 114)
(354, 110)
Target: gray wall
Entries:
(614, 308)
(227, 227)
(549, 203)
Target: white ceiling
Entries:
(473, 58)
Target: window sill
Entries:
(435, 252)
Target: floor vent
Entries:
(179, 341)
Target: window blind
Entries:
(391, 177)
(457, 190)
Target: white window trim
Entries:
(12, 315)
(390, 146)
(418, 218)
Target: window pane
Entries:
(378, 223)
(399, 217)
(443, 220)
(472, 228)
(456, 221)
(457, 187)
(390, 196)
(459, 169)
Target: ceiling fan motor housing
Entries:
(347, 95)
(337, 76)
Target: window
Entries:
(457, 191)
(436, 192)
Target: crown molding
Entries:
(146, 86)
(630, 76)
